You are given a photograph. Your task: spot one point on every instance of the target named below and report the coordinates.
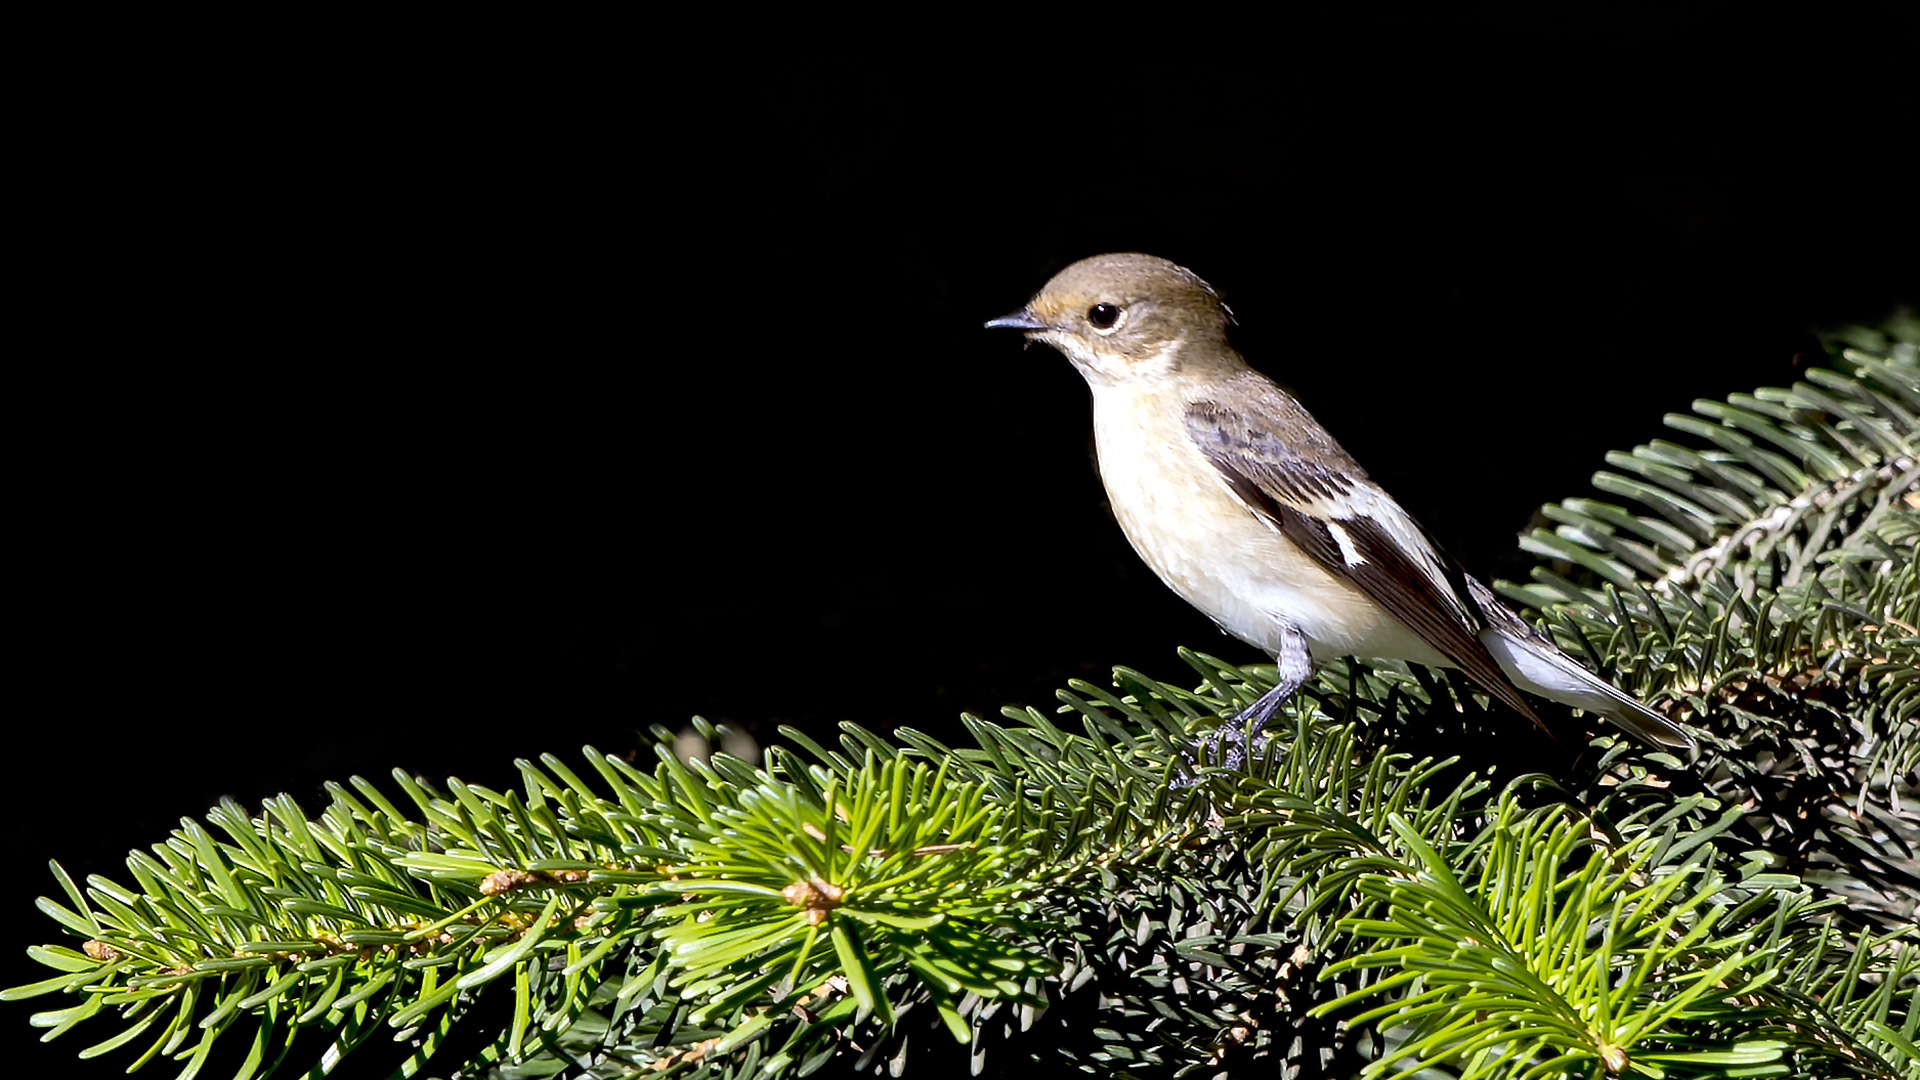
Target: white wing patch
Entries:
(1348, 553)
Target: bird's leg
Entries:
(1294, 665)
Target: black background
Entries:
(437, 397)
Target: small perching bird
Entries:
(1247, 508)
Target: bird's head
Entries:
(1118, 317)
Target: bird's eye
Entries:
(1103, 316)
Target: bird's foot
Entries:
(1241, 734)
(1293, 664)
(1232, 733)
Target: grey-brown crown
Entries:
(1149, 301)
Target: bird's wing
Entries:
(1306, 487)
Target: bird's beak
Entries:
(1019, 320)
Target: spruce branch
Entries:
(1348, 903)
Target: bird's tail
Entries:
(1538, 666)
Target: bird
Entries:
(1249, 509)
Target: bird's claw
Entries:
(1208, 747)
